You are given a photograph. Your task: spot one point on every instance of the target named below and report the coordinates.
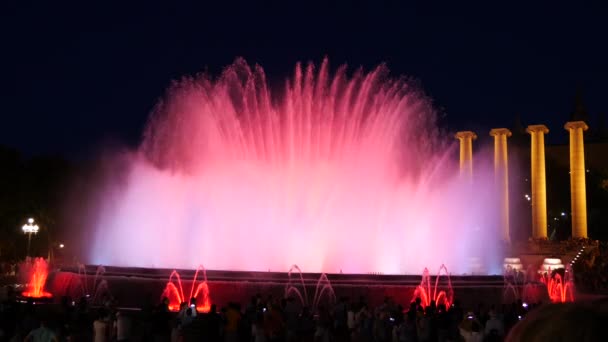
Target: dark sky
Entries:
(75, 77)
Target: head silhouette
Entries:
(562, 322)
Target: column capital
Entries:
(576, 124)
(537, 128)
(466, 134)
(500, 131)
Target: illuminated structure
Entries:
(539, 186)
(501, 173)
(466, 153)
(578, 197)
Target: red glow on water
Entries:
(175, 293)
(175, 296)
(426, 294)
(38, 272)
(559, 291)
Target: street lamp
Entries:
(30, 228)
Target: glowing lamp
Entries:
(551, 264)
(513, 264)
(30, 227)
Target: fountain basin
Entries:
(133, 287)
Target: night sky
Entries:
(74, 78)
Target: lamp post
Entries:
(53, 249)
(30, 228)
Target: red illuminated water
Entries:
(332, 171)
(559, 290)
(426, 293)
(36, 271)
(175, 292)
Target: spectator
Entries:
(274, 324)
(257, 329)
(292, 313)
(161, 322)
(494, 326)
(306, 325)
(233, 317)
(188, 317)
(41, 334)
(470, 328)
(123, 327)
(102, 327)
(322, 333)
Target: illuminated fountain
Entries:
(513, 279)
(339, 171)
(35, 271)
(560, 289)
(511, 286)
(100, 287)
(520, 284)
(538, 285)
(323, 289)
(427, 294)
(174, 291)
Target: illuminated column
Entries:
(501, 174)
(466, 153)
(578, 198)
(539, 186)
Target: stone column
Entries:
(578, 198)
(466, 153)
(501, 174)
(539, 186)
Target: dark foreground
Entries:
(262, 318)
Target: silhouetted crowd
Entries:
(591, 270)
(9, 268)
(262, 319)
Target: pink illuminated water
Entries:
(174, 291)
(100, 288)
(334, 172)
(323, 290)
